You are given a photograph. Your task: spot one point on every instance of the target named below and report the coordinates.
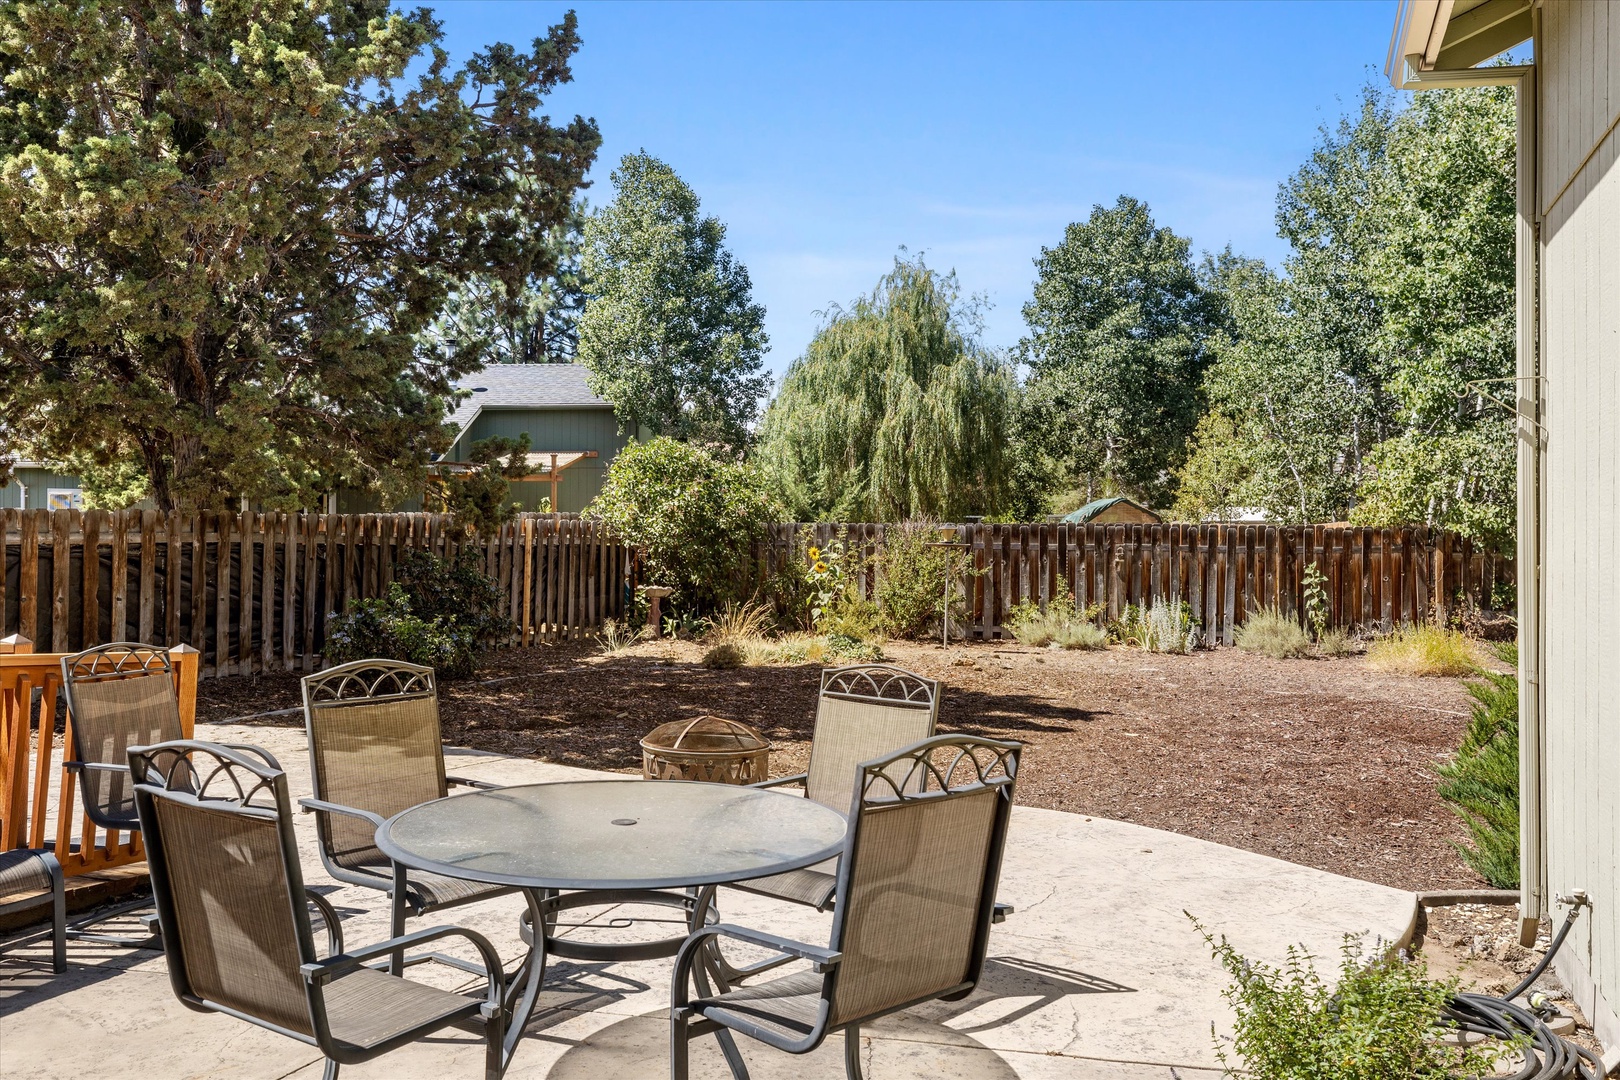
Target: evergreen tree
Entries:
(224, 227)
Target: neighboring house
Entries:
(1567, 398)
(570, 429)
(35, 486)
(1115, 511)
(573, 436)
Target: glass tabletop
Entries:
(614, 834)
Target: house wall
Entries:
(38, 482)
(1578, 181)
(554, 429)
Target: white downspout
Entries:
(1532, 505)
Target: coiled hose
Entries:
(1547, 1056)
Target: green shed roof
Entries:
(1097, 506)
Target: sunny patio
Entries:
(1098, 974)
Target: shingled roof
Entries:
(523, 386)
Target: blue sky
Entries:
(826, 136)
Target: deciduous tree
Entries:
(671, 332)
(894, 411)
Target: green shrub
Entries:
(1377, 1023)
(1482, 782)
(724, 656)
(455, 590)
(1335, 643)
(1063, 623)
(1276, 635)
(384, 627)
(1163, 626)
(912, 576)
(438, 612)
(1424, 650)
(695, 513)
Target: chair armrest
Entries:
(823, 958)
(257, 751)
(999, 913)
(464, 781)
(310, 806)
(94, 766)
(334, 930)
(332, 967)
(796, 778)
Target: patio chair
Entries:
(118, 696)
(374, 750)
(915, 900)
(236, 925)
(862, 712)
(33, 877)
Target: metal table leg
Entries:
(523, 986)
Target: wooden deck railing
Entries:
(37, 795)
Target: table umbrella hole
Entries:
(624, 821)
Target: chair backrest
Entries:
(225, 877)
(917, 882)
(864, 711)
(118, 696)
(374, 745)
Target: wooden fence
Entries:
(252, 592)
(1375, 578)
(37, 795)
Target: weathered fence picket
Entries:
(1371, 577)
(252, 592)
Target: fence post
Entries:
(185, 660)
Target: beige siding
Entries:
(1578, 56)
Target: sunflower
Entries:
(815, 554)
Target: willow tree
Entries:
(894, 411)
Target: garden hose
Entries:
(1547, 1056)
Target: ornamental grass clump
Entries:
(1378, 1021)
(1062, 624)
(1424, 650)
(1276, 635)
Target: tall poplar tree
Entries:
(224, 226)
(671, 333)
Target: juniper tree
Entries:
(223, 227)
(895, 410)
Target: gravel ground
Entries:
(1320, 762)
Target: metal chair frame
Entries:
(371, 681)
(903, 777)
(190, 772)
(56, 896)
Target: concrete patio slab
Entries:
(1099, 976)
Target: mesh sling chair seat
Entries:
(118, 695)
(374, 751)
(914, 905)
(236, 925)
(30, 877)
(862, 711)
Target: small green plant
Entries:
(685, 624)
(725, 656)
(1164, 626)
(1481, 783)
(1378, 1022)
(1424, 650)
(1335, 643)
(1063, 623)
(384, 627)
(439, 612)
(913, 574)
(1316, 600)
(1276, 635)
(615, 637)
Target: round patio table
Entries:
(587, 842)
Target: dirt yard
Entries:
(1320, 762)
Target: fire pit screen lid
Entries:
(704, 735)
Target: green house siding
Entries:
(38, 482)
(560, 429)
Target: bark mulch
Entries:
(1320, 762)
